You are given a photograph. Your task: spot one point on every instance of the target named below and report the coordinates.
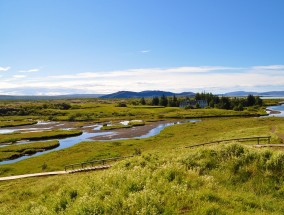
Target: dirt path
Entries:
(32, 175)
(86, 169)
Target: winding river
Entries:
(70, 141)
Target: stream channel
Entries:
(70, 141)
(279, 108)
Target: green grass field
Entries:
(15, 151)
(223, 179)
(4, 124)
(41, 135)
(106, 110)
(169, 139)
(232, 178)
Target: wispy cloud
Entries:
(217, 79)
(270, 67)
(29, 70)
(4, 69)
(145, 51)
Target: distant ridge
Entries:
(148, 93)
(131, 94)
(244, 93)
(70, 96)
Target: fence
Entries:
(258, 139)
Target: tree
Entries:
(155, 101)
(142, 101)
(250, 100)
(197, 96)
(164, 101)
(224, 103)
(175, 101)
(258, 101)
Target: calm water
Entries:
(277, 108)
(70, 141)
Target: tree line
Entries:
(235, 103)
(214, 101)
(165, 101)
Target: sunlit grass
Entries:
(15, 151)
(223, 179)
(41, 135)
(169, 139)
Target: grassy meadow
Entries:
(4, 124)
(170, 138)
(101, 110)
(163, 178)
(221, 179)
(40, 135)
(15, 151)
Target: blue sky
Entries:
(53, 47)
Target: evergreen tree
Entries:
(142, 101)
(155, 101)
(250, 100)
(224, 103)
(258, 101)
(164, 101)
(175, 101)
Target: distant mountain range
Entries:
(130, 94)
(244, 93)
(70, 96)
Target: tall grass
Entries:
(224, 179)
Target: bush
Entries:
(121, 104)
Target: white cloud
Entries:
(217, 79)
(19, 76)
(145, 72)
(29, 70)
(270, 67)
(4, 69)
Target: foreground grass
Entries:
(171, 138)
(42, 135)
(223, 179)
(15, 151)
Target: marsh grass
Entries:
(115, 126)
(103, 110)
(171, 138)
(15, 151)
(42, 135)
(16, 123)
